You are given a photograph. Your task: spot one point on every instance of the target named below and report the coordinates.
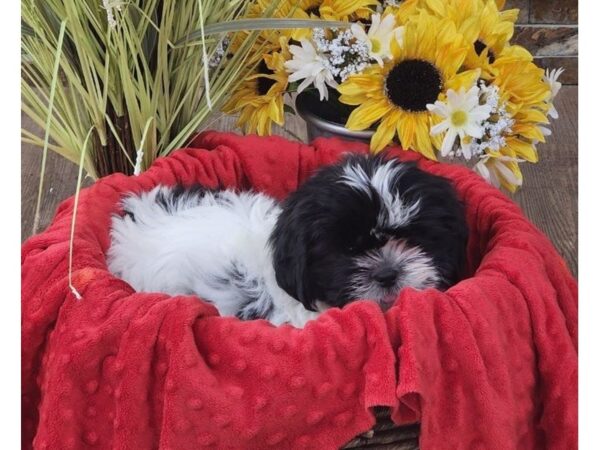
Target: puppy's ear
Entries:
(289, 244)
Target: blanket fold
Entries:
(491, 363)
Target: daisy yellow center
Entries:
(459, 118)
(375, 45)
(412, 84)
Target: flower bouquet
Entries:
(436, 76)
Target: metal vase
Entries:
(317, 126)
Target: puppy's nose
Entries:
(386, 276)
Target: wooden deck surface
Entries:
(548, 198)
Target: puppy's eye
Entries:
(353, 246)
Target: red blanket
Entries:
(489, 364)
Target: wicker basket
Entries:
(387, 435)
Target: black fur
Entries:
(180, 192)
(325, 223)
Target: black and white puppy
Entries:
(361, 229)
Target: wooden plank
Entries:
(60, 182)
(548, 40)
(553, 11)
(569, 63)
(549, 194)
(522, 6)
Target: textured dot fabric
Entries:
(489, 364)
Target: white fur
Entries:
(394, 212)
(355, 177)
(192, 249)
(417, 270)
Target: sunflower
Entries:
(481, 23)
(259, 99)
(406, 9)
(526, 94)
(396, 95)
(486, 28)
(522, 101)
(347, 9)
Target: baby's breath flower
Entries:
(216, 58)
(343, 54)
(496, 127)
(109, 6)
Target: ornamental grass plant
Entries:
(115, 84)
(141, 76)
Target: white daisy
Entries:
(551, 78)
(308, 65)
(463, 116)
(379, 37)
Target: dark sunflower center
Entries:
(313, 10)
(264, 84)
(413, 84)
(480, 47)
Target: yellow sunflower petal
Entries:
(463, 80)
(510, 15)
(532, 115)
(353, 99)
(264, 124)
(244, 117)
(343, 9)
(276, 111)
(422, 136)
(438, 7)
(363, 117)
(529, 131)
(450, 60)
(470, 29)
(384, 134)
(406, 9)
(522, 149)
(359, 84)
(406, 127)
(515, 52)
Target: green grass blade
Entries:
(55, 80)
(261, 24)
(204, 57)
(140, 153)
(74, 218)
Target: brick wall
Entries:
(548, 29)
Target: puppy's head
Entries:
(364, 229)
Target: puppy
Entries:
(361, 229)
